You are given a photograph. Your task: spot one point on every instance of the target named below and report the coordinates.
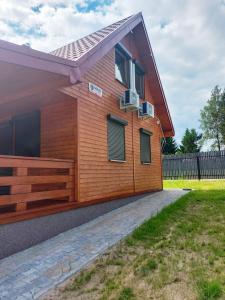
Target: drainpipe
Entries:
(133, 153)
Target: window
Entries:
(145, 146)
(21, 135)
(139, 81)
(5, 149)
(122, 66)
(6, 141)
(116, 138)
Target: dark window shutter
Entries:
(116, 139)
(145, 146)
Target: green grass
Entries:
(126, 294)
(153, 230)
(209, 290)
(181, 250)
(80, 281)
(148, 267)
(194, 184)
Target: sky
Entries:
(187, 37)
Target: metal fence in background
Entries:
(203, 165)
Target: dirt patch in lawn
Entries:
(177, 255)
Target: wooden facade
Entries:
(74, 168)
(98, 177)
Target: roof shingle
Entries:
(77, 49)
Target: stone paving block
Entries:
(43, 266)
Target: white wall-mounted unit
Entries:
(146, 110)
(129, 101)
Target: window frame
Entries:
(124, 53)
(123, 123)
(140, 72)
(15, 123)
(149, 134)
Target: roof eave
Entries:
(27, 57)
(92, 56)
(159, 80)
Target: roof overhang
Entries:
(167, 131)
(91, 57)
(30, 58)
(27, 74)
(71, 72)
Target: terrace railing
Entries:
(27, 183)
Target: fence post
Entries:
(198, 167)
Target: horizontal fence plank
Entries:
(203, 165)
(17, 180)
(27, 182)
(30, 162)
(30, 197)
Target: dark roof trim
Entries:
(91, 57)
(24, 56)
(27, 57)
(145, 131)
(117, 119)
(159, 80)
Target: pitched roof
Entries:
(87, 51)
(75, 59)
(78, 48)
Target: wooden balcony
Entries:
(33, 186)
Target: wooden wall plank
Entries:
(99, 178)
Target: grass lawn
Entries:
(177, 255)
(194, 184)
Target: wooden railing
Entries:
(26, 183)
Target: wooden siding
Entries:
(58, 130)
(98, 177)
(58, 124)
(74, 126)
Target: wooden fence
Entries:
(203, 165)
(27, 182)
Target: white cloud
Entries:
(187, 37)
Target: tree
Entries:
(213, 119)
(222, 115)
(190, 142)
(169, 146)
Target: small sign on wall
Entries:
(95, 89)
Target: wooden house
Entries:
(82, 124)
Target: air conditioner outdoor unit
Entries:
(146, 110)
(129, 101)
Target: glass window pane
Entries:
(139, 82)
(121, 67)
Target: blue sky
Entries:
(187, 37)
